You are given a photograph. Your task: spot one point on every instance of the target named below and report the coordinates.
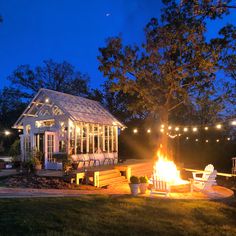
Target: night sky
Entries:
(73, 30)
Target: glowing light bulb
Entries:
(228, 139)
(169, 127)
(148, 131)
(176, 128)
(162, 130)
(194, 129)
(233, 122)
(196, 140)
(206, 128)
(47, 100)
(219, 126)
(187, 138)
(185, 129)
(207, 141)
(217, 140)
(135, 131)
(6, 132)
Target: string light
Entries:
(162, 126)
(206, 128)
(219, 126)
(217, 140)
(194, 129)
(6, 132)
(185, 129)
(233, 122)
(135, 131)
(207, 141)
(187, 138)
(176, 128)
(149, 131)
(162, 130)
(196, 140)
(169, 128)
(47, 100)
(228, 139)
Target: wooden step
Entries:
(108, 172)
(112, 181)
(109, 176)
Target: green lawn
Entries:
(103, 215)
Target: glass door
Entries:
(49, 148)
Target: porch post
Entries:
(87, 138)
(117, 139)
(93, 136)
(108, 139)
(82, 137)
(112, 139)
(103, 138)
(98, 138)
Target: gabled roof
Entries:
(76, 108)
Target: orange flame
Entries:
(166, 170)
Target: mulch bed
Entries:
(37, 182)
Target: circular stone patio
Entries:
(218, 192)
(119, 189)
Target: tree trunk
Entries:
(163, 139)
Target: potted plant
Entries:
(134, 185)
(37, 164)
(143, 184)
(36, 160)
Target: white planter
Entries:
(134, 189)
(143, 188)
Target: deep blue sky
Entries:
(72, 30)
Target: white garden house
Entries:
(56, 122)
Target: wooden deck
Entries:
(105, 174)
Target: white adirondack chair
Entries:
(160, 187)
(205, 184)
(203, 175)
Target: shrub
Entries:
(15, 148)
(143, 179)
(134, 180)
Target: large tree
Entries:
(175, 66)
(61, 77)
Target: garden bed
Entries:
(37, 182)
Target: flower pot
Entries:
(38, 167)
(143, 188)
(134, 189)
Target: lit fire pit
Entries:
(166, 176)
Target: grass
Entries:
(124, 215)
